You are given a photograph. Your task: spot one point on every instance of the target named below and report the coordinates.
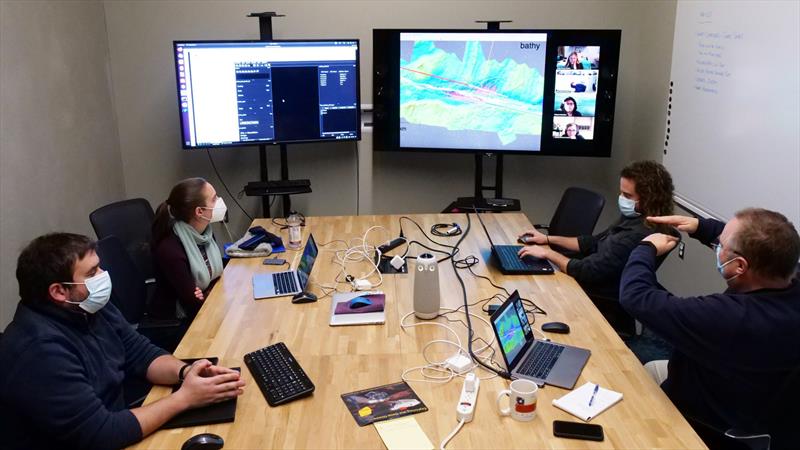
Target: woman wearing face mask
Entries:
(596, 261)
(187, 258)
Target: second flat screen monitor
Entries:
(477, 91)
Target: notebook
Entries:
(577, 401)
(343, 314)
(221, 412)
(403, 434)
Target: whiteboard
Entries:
(732, 137)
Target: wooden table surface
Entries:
(345, 359)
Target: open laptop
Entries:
(510, 263)
(539, 361)
(290, 282)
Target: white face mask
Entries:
(218, 211)
(99, 287)
(627, 207)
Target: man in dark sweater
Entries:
(734, 352)
(67, 351)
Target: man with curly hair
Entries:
(596, 261)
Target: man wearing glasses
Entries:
(736, 353)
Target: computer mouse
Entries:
(555, 327)
(205, 441)
(359, 302)
(525, 239)
(304, 297)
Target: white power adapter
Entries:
(458, 363)
(469, 396)
(362, 285)
(397, 262)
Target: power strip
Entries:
(469, 396)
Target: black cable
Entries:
(451, 229)
(358, 182)
(500, 373)
(208, 152)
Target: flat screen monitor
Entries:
(234, 93)
(547, 92)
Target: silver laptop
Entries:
(290, 282)
(539, 361)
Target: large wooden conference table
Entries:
(345, 359)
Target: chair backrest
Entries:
(131, 222)
(128, 290)
(577, 212)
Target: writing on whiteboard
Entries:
(711, 67)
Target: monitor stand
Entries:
(479, 202)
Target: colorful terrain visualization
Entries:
(470, 93)
(512, 337)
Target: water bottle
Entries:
(295, 236)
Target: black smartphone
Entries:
(576, 430)
(274, 261)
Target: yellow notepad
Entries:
(403, 433)
(577, 401)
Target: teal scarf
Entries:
(190, 239)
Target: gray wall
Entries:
(59, 149)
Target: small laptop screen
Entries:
(513, 329)
(307, 262)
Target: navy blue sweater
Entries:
(61, 378)
(732, 351)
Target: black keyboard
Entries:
(509, 258)
(284, 283)
(278, 374)
(541, 360)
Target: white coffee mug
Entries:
(522, 397)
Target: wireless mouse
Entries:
(555, 327)
(205, 441)
(526, 239)
(359, 302)
(304, 297)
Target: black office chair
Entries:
(576, 214)
(130, 221)
(128, 294)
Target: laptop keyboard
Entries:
(509, 259)
(278, 374)
(284, 283)
(541, 360)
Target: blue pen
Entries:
(594, 393)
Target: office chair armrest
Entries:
(150, 281)
(542, 226)
(752, 441)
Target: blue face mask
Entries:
(627, 207)
(721, 266)
(99, 287)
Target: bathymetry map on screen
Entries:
(478, 91)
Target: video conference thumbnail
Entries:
(472, 90)
(575, 99)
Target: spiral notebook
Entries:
(577, 401)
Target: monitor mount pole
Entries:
(497, 203)
(265, 34)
